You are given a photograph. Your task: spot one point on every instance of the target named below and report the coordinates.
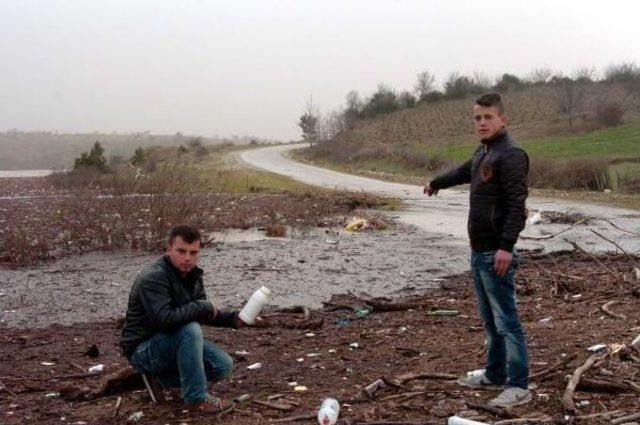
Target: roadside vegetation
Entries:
(582, 131)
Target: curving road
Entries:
(445, 215)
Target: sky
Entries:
(248, 67)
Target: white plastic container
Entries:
(256, 303)
(329, 411)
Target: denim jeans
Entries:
(507, 358)
(183, 359)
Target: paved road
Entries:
(445, 215)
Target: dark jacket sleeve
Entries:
(222, 319)
(460, 175)
(514, 166)
(156, 299)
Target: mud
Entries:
(303, 269)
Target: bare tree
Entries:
(584, 74)
(424, 85)
(481, 81)
(569, 96)
(541, 75)
(309, 122)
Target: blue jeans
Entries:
(183, 359)
(507, 359)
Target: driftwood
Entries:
(567, 399)
(550, 370)
(624, 419)
(501, 413)
(403, 379)
(596, 385)
(605, 309)
(273, 405)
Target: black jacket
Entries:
(162, 300)
(498, 176)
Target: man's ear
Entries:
(504, 119)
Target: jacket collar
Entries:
(502, 134)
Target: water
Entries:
(25, 173)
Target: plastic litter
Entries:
(597, 347)
(354, 345)
(373, 387)
(256, 303)
(52, 395)
(329, 411)
(97, 369)
(545, 320)
(301, 388)
(536, 217)
(254, 366)
(475, 373)
(457, 420)
(357, 224)
(242, 398)
(363, 312)
(47, 363)
(136, 416)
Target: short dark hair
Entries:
(491, 99)
(188, 233)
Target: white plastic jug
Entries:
(256, 303)
(329, 411)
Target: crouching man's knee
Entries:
(192, 331)
(225, 366)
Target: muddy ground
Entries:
(560, 295)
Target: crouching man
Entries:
(162, 334)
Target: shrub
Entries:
(93, 159)
(589, 174)
(609, 114)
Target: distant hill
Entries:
(48, 150)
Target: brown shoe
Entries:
(213, 405)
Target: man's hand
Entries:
(502, 262)
(428, 190)
(239, 323)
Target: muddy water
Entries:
(301, 270)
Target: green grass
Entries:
(617, 142)
(220, 179)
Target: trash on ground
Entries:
(597, 347)
(97, 369)
(357, 224)
(328, 412)
(301, 388)
(242, 398)
(136, 416)
(47, 363)
(254, 366)
(545, 320)
(52, 395)
(442, 313)
(354, 345)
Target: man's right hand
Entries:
(428, 190)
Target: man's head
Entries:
(488, 115)
(184, 247)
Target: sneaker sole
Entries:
(480, 387)
(525, 400)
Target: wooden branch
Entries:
(620, 228)
(548, 371)
(567, 399)
(273, 405)
(3, 387)
(116, 410)
(596, 385)
(605, 309)
(542, 238)
(501, 413)
(593, 257)
(603, 415)
(391, 306)
(617, 245)
(628, 418)
(404, 396)
(403, 379)
(294, 418)
(49, 378)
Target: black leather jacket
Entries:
(162, 300)
(498, 176)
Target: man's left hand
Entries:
(502, 262)
(239, 323)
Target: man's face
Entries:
(488, 121)
(184, 256)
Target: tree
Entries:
(383, 101)
(458, 86)
(584, 74)
(309, 122)
(540, 76)
(424, 85)
(569, 95)
(138, 157)
(94, 159)
(508, 82)
(354, 108)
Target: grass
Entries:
(613, 143)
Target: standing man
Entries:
(162, 337)
(497, 173)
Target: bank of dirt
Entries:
(561, 298)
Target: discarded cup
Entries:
(329, 411)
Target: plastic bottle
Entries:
(329, 411)
(252, 308)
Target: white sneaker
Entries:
(512, 396)
(479, 381)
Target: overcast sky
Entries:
(248, 67)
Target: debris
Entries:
(597, 347)
(254, 366)
(545, 320)
(605, 309)
(357, 224)
(314, 355)
(47, 363)
(300, 388)
(457, 420)
(442, 313)
(636, 272)
(97, 369)
(241, 355)
(52, 395)
(273, 405)
(354, 345)
(116, 409)
(310, 335)
(135, 416)
(535, 218)
(374, 387)
(92, 352)
(475, 373)
(362, 312)
(543, 374)
(331, 242)
(328, 412)
(635, 341)
(567, 399)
